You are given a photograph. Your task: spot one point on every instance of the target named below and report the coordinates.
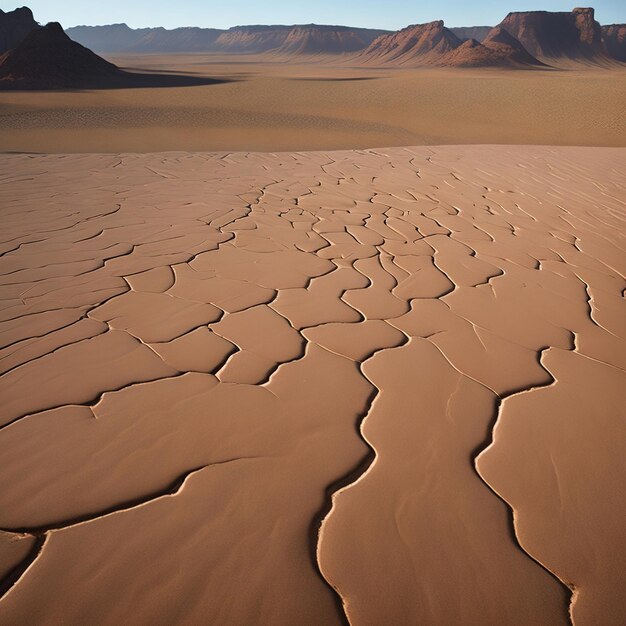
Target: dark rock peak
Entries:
(19, 13)
(14, 26)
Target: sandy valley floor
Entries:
(321, 105)
(280, 388)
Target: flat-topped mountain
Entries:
(614, 39)
(14, 26)
(416, 44)
(552, 36)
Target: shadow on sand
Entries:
(334, 79)
(139, 79)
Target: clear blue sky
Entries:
(390, 14)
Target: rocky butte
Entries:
(549, 35)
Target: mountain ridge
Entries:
(254, 38)
(15, 26)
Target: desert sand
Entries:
(269, 104)
(383, 385)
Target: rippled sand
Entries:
(289, 388)
(323, 104)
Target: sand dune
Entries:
(289, 388)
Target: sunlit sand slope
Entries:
(289, 388)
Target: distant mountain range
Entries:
(303, 39)
(531, 38)
(306, 38)
(32, 55)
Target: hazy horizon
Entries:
(394, 15)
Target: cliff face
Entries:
(14, 26)
(48, 59)
(614, 38)
(548, 35)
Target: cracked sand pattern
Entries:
(382, 386)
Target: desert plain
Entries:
(319, 103)
(316, 343)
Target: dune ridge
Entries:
(299, 354)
